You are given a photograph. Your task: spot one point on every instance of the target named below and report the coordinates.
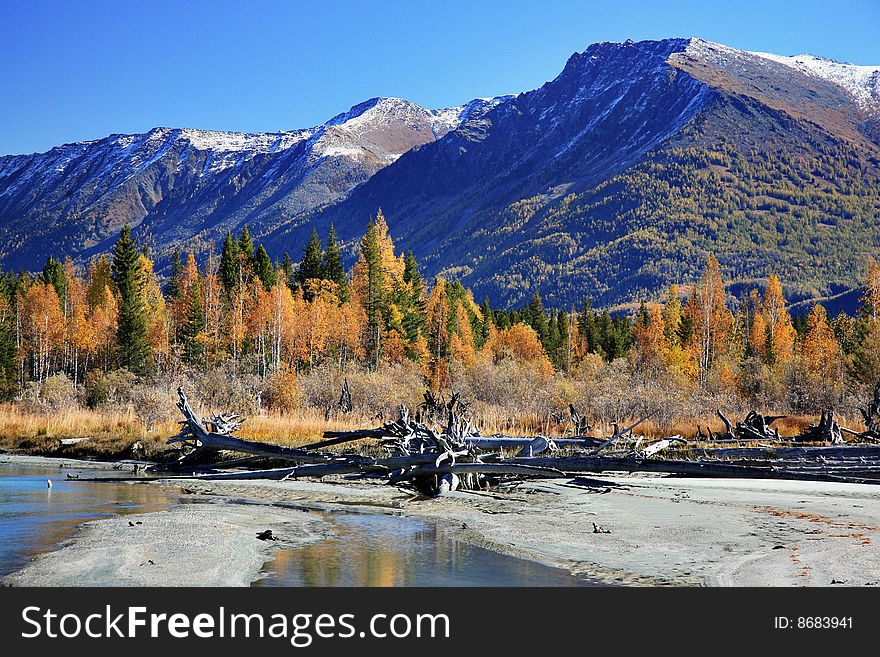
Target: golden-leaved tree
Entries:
(711, 319)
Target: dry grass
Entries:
(112, 433)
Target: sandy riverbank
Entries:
(670, 531)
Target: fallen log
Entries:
(827, 430)
(196, 435)
(660, 445)
(622, 432)
(754, 427)
(683, 468)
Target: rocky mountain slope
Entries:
(184, 186)
(610, 181)
(617, 177)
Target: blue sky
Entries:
(81, 70)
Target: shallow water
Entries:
(35, 518)
(365, 550)
(382, 550)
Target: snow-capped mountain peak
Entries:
(862, 82)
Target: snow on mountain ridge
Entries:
(862, 82)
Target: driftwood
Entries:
(618, 433)
(871, 414)
(754, 427)
(660, 445)
(827, 430)
(203, 436)
(451, 454)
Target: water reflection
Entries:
(366, 550)
(35, 518)
(379, 550)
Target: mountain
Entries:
(186, 187)
(611, 181)
(620, 175)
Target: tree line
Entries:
(279, 318)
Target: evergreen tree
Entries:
(412, 301)
(172, 286)
(229, 264)
(53, 274)
(287, 268)
(7, 342)
(131, 332)
(553, 339)
(374, 301)
(310, 266)
(246, 249)
(564, 345)
(331, 268)
(194, 325)
(536, 317)
(486, 324)
(264, 269)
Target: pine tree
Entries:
(412, 276)
(310, 267)
(131, 333)
(374, 298)
(172, 285)
(487, 323)
(229, 264)
(8, 349)
(588, 329)
(536, 317)
(246, 249)
(264, 269)
(53, 274)
(287, 267)
(331, 268)
(194, 325)
(410, 298)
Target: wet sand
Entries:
(636, 530)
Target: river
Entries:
(364, 550)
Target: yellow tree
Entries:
(461, 344)
(871, 296)
(672, 316)
(42, 327)
(81, 335)
(437, 313)
(376, 273)
(213, 308)
(100, 278)
(820, 348)
(651, 345)
(103, 312)
(780, 333)
(711, 319)
(758, 336)
(520, 342)
(158, 324)
(392, 265)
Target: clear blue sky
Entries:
(73, 70)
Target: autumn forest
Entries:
(111, 342)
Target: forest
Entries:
(98, 352)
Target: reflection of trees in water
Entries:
(400, 552)
(348, 563)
